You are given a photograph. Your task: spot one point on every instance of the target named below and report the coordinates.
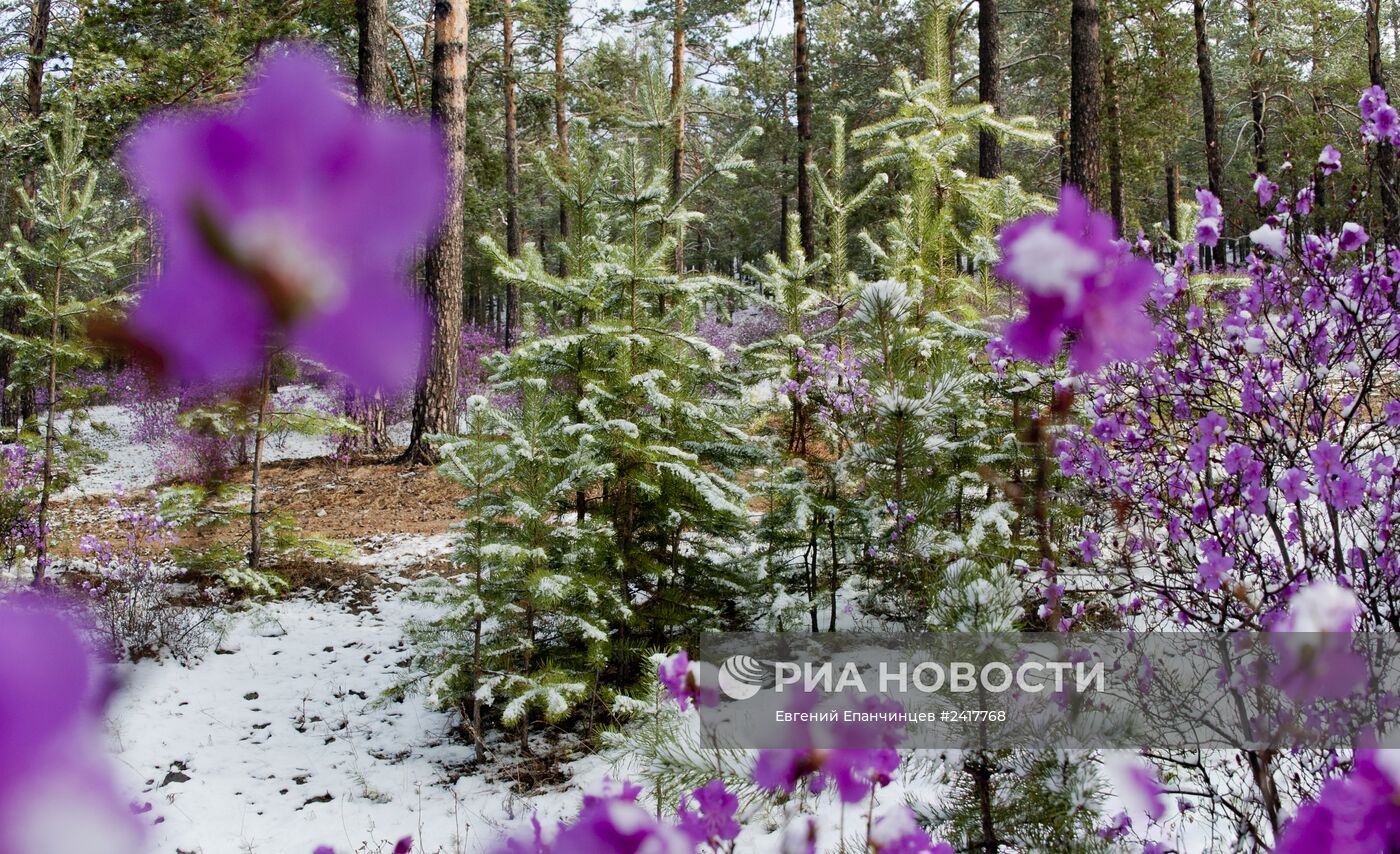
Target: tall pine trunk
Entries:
(988, 84)
(561, 118)
(1208, 112)
(1257, 101)
(372, 25)
(678, 128)
(1173, 179)
(512, 165)
(1086, 96)
(435, 405)
(366, 407)
(1385, 152)
(806, 205)
(1115, 119)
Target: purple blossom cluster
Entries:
(831, 381)
(20, 475)
(612, 822)
(1379, 121)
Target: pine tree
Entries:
(59, 276)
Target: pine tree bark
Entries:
(366, 408)
(1385, 152)
(372, 24)
(1257, 101)
(806, 203)
(40, 13)
(1208, 112)
(786, 179)
(435, 405)
(1115, 119)
(678, 129)
(512, 142)
(1086, 96)
(988, 84)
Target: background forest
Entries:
(725, 316)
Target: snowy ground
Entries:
(280, 740)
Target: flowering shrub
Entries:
(141, 605)
(19, 502)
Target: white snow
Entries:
(288, 743)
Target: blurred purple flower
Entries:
(1215, 566)
(1264, 189)
(286, 222)
(612, 826)
(1078, 279)
(56, 786)
(1337, 484)
(898, 832)
(682, 682)
(1358, 813)
(1211, 219)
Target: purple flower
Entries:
(56, 789)
(611, 826)
(1330, 160)
(1372, 99)
(1294, 485)
(898, 832)
(866, 757)
(682, 682)
(1148, 790)
(1078, 280)
(1264, 189)
(1304, 203)
(713, 819)
(1337, 484)
(1210, 204)
(286, 222)
(1353, 237)
(1208, 231)
(1358, 813)
(1211, 219)
(1215, 565)
(1237, 459)
(1089, 547)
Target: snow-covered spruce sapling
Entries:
(525, 631)
(650, 439)
(58, 273)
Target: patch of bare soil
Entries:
(349, 501)
(367, 503)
